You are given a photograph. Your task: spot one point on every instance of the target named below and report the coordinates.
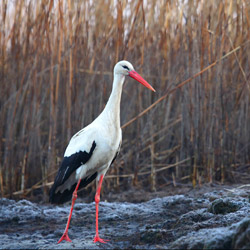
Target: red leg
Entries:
(97, 200)
(65, 234)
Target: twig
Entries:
(181, 85)
(234, 189)
(36, 186)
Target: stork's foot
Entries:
(64, 237)
(98, 239)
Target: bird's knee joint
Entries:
(97, 198)
(74, 196)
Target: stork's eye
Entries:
(125, 67)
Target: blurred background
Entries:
(56, 64)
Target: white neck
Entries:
(112, 108)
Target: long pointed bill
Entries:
(138, 78)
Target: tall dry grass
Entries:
(56, 62)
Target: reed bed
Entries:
(56, 62)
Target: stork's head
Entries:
(126, 68)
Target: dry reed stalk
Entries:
(152, 174)
(56, 61)
(69, 87)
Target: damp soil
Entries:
(210, 217)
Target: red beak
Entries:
(138, 78)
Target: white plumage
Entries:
(93, 149)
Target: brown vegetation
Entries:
(56, 62)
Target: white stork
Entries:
(93, 149)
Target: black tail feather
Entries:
(66, 195)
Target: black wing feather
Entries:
(66, 195)
(69, 165)
(117, 152)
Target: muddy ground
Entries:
(210, 217)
